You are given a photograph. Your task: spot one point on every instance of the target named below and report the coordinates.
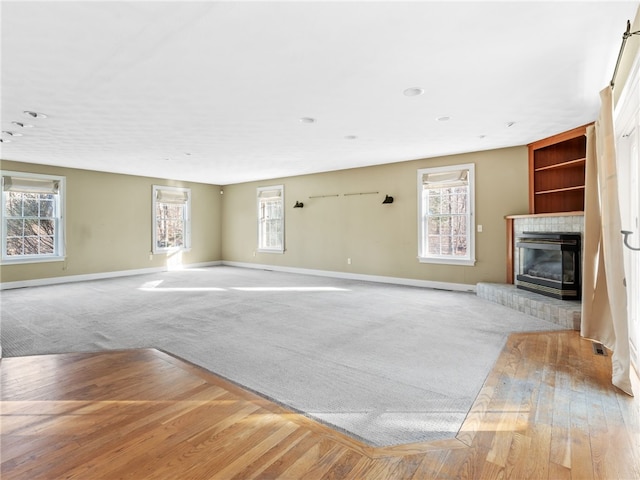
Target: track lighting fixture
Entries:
(298, 204)
(387, 199)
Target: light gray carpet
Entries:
(384, 363)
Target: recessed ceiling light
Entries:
(307, 120)
(34, 114)
(12, 134)
(443, 119)
(22, 125)
(351, 137)
(413, 92)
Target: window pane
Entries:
(15, 245)
(31, 227)
(445, 245)
(13, 205)
(46, 245)
(434, 225)
(445, 225)
(458, 203)
(162, 234)
(46, 207)
(47, 227)
(174, 233)
(434, 245)
(460, 225)
(30, 245)
(434, 204)
(14, 228)
(30, 205)
(459, 245)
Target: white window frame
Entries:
(173, 192)
(260, 200)
(423, 254)
(58, 254)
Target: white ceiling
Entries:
(214, 91)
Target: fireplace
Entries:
(549, 264)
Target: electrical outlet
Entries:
(348, 261)
(479, 228)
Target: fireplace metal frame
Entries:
(564, 242)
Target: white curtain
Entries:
(604, 296)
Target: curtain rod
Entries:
(625, 36)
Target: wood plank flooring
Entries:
(547, 410)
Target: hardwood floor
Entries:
(547, 410)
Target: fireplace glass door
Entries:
(549, 264)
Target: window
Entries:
(171, 219)
(32, 217)
(445, 206)
(271, 219)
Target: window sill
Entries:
(170, 251)
(264, 250)
(22, 260)
(448, 261)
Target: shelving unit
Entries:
(556, 172)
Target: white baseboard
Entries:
(462, 287)
(99, 276)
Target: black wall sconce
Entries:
(298, 204)
(387, 199)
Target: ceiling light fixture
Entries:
(351, 137)
(510, 124)
(443, 119)
(307, 120)
(413, 92)
(4, 140)
(12, 134)
(22, 125)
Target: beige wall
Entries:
(108, 224)
(109, 232)
(379, 239)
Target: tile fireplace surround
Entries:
(562, 312)
(556, 222)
